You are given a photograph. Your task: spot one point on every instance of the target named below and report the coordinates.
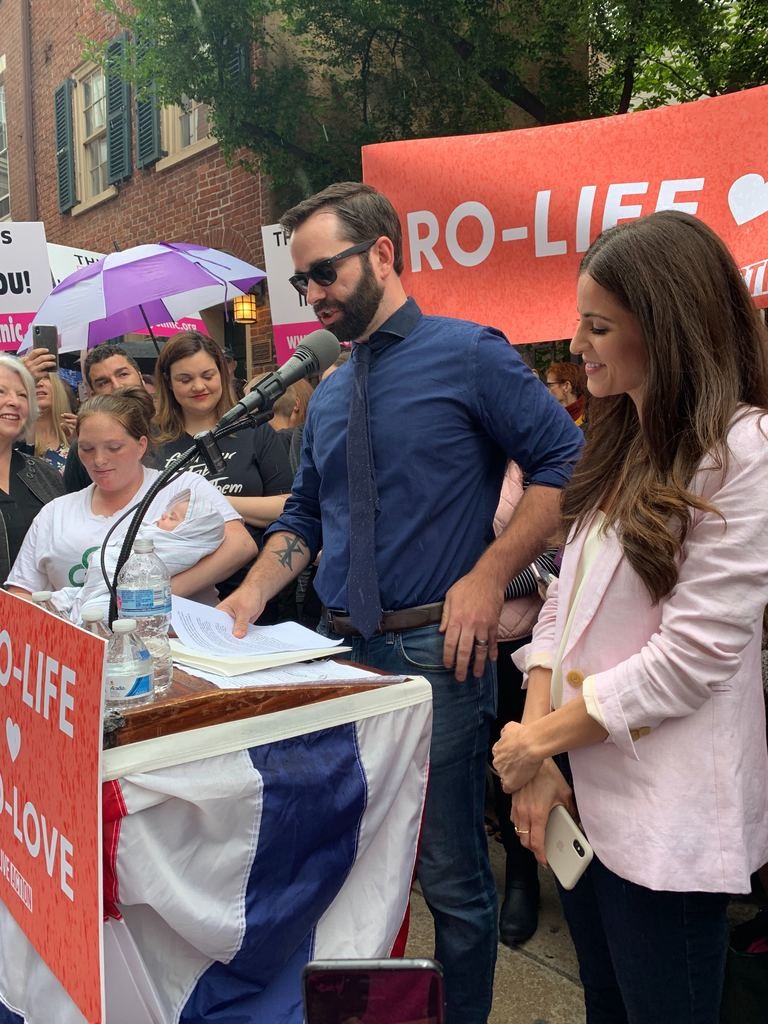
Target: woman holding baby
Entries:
(113, 438)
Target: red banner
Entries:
(495, 225)
(50, 793)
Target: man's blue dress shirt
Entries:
(450, 403)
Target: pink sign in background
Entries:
(288, 337)
(13, 327)
(168, 330)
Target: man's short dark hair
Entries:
(362, 210)
(103, 352)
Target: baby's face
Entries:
(173, 515)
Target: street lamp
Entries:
(245, 309)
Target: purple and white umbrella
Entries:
(140, 287)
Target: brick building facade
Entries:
(186, 193)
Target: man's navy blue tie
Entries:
(364, 602)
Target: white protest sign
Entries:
(292, 317)
(25, 279)
(64, 260)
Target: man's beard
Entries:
(359, 309)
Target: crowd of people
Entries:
(430, 492)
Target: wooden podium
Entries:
(193, 702)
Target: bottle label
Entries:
(138, 604)
(127, 682)
(141, 687)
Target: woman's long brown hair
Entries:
(169, 418)
(707, 355)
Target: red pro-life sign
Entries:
(50, 793)
(495, 225)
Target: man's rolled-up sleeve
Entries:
(301, 514)
(518, 411)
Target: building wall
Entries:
(12, 49)
(198, 199)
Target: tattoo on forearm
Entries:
(293, 546)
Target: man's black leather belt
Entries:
(391, 622)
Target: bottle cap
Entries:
(93, 613)
(41, 595)
(123, 625)
(143, 546)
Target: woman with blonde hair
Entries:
(56, 423)
(645, 661)
(194, 390)
(26, 483)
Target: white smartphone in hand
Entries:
(568, 852)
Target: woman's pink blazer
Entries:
(677, 797)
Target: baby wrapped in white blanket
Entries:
(188, 530)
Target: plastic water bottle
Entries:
(144, 594)
(128, 672)
(93, 620)
(43, 599)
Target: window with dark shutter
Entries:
(238, 63)
(65, 148)
(118, 117)
(148, 149)
(147, 131)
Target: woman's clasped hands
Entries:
(513, 758)
(537, 786)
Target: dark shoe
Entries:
(519, 915)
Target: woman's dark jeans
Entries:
(646, 957)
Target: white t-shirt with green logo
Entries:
(65, 533)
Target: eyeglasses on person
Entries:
(324, 271)
(554, 383)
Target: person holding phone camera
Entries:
(645, 662)
(55, 426)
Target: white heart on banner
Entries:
(748, 198)
(13, 737)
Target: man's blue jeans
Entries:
(453, 869)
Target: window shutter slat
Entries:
(147, 131)
(118, 117)
(65, 147)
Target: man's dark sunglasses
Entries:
(324, 271)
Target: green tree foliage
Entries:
(326, 77)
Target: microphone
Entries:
(314, 355)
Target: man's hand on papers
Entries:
(245, 605)
(470, 623)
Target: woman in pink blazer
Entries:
(645, 662)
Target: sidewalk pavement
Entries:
(537, 983)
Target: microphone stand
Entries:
(203, 446)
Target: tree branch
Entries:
(365, 69)
(273, 138)
(499, 79)
(676, 74)
(629, 84)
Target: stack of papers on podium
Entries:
(205, 641)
